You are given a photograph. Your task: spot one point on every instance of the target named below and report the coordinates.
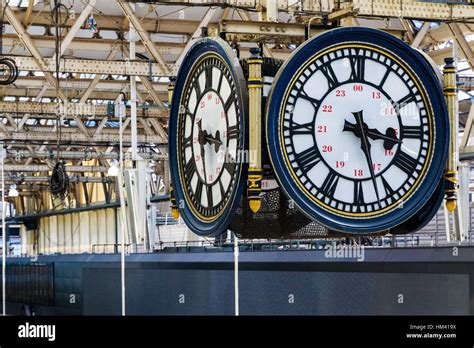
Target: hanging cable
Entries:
(8, 68)
(59, 180)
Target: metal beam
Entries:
(95, 81)
(463, 44)
(169, 50)
(75, 27)
(79, 155)
(197, 33)
(26, 18)
(420, 35)
(85, 109)
(109, 22)
(74, 83)
(67, 129)
(72, 178)
(246, 17)
(144, 36)
(26, 39)
(76, 137)
(270, 32)
(89, 66)
(47, 168)
(108, 95)
(467, 130)
(412, 9)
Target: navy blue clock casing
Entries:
(207, 135)
(357, 130)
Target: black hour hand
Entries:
(389, 138)
(349, 127)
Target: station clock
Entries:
(207, 136)
(357, 130)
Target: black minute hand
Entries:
(365, 145)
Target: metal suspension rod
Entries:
(4, 239)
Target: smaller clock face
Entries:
(209, 139)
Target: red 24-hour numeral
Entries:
(327, 148)
(358, 88)
(358, 172)
(375, 95)
(340, 164)
(322, 129)
(388, 111)
(327, 108)
(340, 93)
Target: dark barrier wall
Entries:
(411, 281)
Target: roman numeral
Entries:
(198, 193)
(197, 87)
(358, 193)
(232, 132)
(412, 132)
(208, 76)
(296, 128)
(358, 68)
(388, 189)
(189, 169)
(229, 102)
(209, 195)
(409, 98)
(313, 101)
(384, 78)
(330, 75)
(220, 83)
(221, 186)
(230, 167)
(405, 162)
(308, 158)
(330, 184)
(188, 142)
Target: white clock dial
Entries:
(210, 129)
(356, 132)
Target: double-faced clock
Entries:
(207, 136)
(357, 130)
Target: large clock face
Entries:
(356, 134)
(209, 138)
